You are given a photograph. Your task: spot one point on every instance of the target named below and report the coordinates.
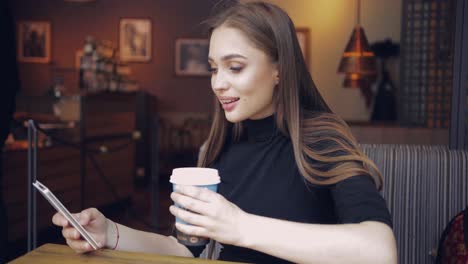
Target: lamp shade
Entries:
(354, 80)
(358, 59)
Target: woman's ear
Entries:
(276, 74)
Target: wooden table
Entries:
(53, 253)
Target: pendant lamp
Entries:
(358, 62)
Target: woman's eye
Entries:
(235, 69)
(212, 70)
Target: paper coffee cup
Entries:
(199, 177)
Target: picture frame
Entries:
(191, 57)
(302, 34)
(135, 37)
(34, 41)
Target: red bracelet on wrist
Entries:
(118, 235)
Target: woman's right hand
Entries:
(92, 220)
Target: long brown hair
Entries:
(324, 148)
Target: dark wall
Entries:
(72, 22)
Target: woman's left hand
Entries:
(211, 215)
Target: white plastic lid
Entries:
(195, 176)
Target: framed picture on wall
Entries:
(191, 57)
(303, 37)
(34, 41)
(135, 39)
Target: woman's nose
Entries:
(219, 82)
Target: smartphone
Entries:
(63, 210)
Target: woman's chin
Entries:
(233, 117)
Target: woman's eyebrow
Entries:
(229, 56)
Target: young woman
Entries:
(295, 187)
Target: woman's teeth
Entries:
(229, 101)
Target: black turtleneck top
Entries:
(259, 175)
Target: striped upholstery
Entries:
(425, 186)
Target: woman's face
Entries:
(243, 77)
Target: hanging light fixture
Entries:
(358, 62)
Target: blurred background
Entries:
(120, 91)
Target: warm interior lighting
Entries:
(353, 76)
(358, 62)
(358, 57)
(357, 54)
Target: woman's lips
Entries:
(228, 107)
